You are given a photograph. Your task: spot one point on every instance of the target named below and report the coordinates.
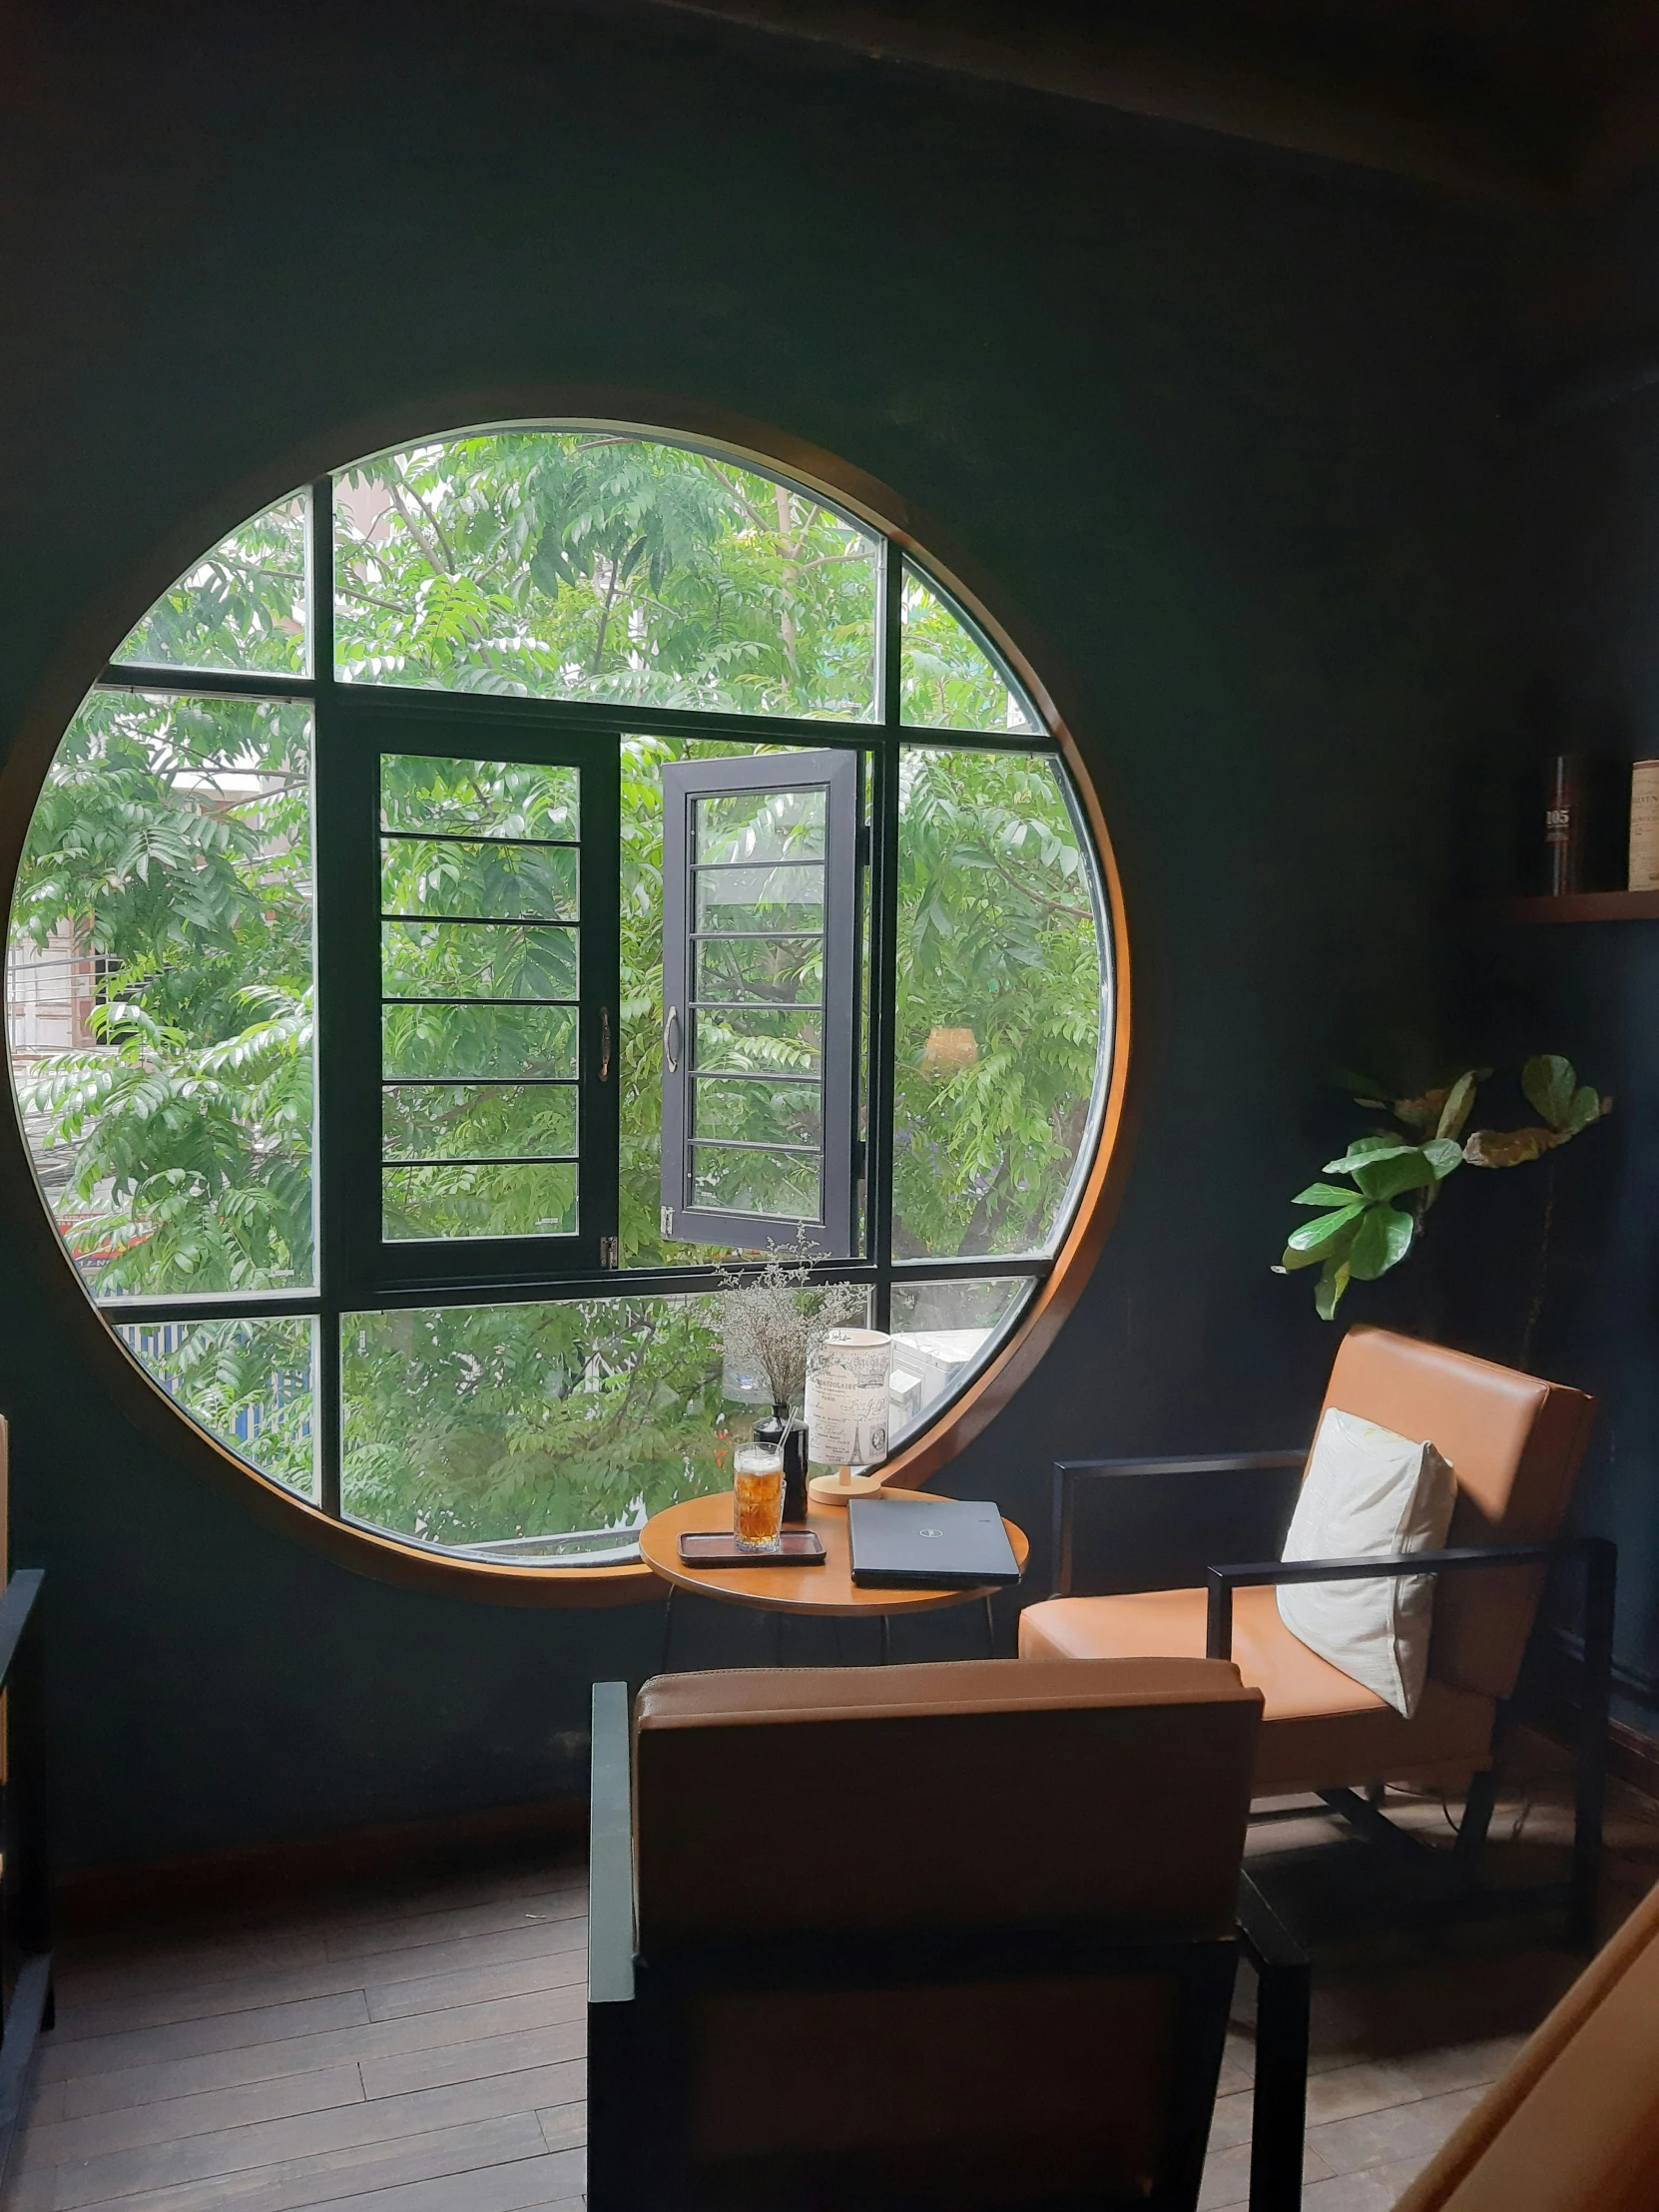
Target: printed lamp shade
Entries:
(848, 1397)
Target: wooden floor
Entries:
(417, 2047)
(412, 2049)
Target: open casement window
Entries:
(469, 908)
(760, 1000)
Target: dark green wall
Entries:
(1587, 508)
(1221, 427)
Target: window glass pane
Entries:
(524, 1200)
(758, 826)
(241, 606)
(758, 1110)
(531, 1128)
(764, 899)
(761, 971)
(942, 1335)
(495, 882)
(588, 564)
(999, 990)
(488, 1121)
(517, 1428)
(741, 1182)
(160, 993)
(247, 1382)
(758, 1041)
(434, 1039)
(457, 960)
(431, 795)
(946, 678)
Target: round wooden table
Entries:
(824, 1592)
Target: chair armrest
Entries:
(1595, 1552)
(610, 1852)
(1069, 1473)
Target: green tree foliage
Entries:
(1000, 1005)
(583, 564)
(172, 841)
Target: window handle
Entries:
(604, 1045)
(671, 1039)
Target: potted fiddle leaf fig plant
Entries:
(1368, 1224)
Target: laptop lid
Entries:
(908, 1542)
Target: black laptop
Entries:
(913, 1542)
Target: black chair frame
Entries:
(636, 2007)
(1596, 1555)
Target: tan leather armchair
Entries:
(952, 1936)
(1514, 1442)
(1573, 2126)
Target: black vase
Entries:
(790, 1436)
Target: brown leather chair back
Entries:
(890, 1802)
(991, 1792)
(1514, 1442)
(1573, 2125)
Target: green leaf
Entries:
(1361, 1149)
(1382, 1240)
(1458, 1101)
(1586, 1107)
(1325, 1194)
(1317, 1236)
(1328, 1290)
(1289, 1261)
(1387, 1177)
(1442, 1154)
(1550, 1083)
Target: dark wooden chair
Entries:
(933, 1936)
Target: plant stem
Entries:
(1542, 1276)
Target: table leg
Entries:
(990, 1630)
(887, 1641)
(668, 1629)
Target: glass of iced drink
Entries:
(757, 1497)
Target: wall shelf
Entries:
(1575, 906)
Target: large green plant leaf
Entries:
(1325, 1194)
(1316, 1236)
(1383, 1240)
(1548, 1083)
(1388, 1174)
(1367, 1148)
(1586, 1107)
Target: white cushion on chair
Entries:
(1367, 1490)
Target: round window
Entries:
(429, 993)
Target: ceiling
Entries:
(1538, 100)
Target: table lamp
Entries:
(848, 1408)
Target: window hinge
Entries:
(864, 844)
(860, 1159)
(610, 1252)
(667, 1228)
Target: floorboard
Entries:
(420, 2047)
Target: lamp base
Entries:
(837, 1488)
